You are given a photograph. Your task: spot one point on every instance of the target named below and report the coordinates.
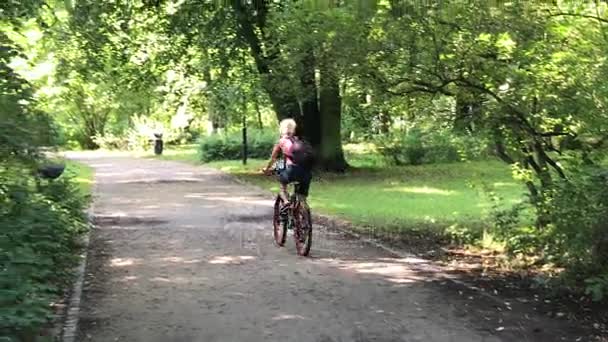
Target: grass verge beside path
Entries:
(184, 153)
(82, 174)
(427, 198)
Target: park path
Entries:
(184, 254)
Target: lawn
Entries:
(184, 153)
(83, 175)
(438, 196)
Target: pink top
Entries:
(286, 145)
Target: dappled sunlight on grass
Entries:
(185, 153)
(505, 184)
(82, 180)
(420, 190)
(82, 174)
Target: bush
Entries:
(230, 146)
(576, 237)
(39, 241)
(578, 212)
(426, 147)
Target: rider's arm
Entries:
(275, 154)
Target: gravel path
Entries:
(185, 254)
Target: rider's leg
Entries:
(283, 193)
(284, 179)
(304, 177)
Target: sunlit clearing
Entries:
(120, 262)
(503, 184)
(421, 190)
(287, 316)
(83, 180)
(221, 260)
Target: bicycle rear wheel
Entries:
(303, 230)
(280, 229)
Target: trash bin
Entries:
(158, 143)
(51, 171)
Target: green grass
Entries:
(184, 153)
(422, 197)
(83, 175)
(412, 197)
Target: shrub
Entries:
(575, 238)
(39, 241)
(578, 211)
(427, 147)
(230, 146)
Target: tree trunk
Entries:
(257, 110)
(310, 104)
(330, 153)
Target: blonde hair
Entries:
(287, 127)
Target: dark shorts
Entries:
(297, 173)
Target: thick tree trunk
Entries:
(319, 125)
(330, 153)
(257, 110)
(310, 104)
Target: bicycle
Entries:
(297, 218)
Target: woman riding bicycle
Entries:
(293, 171)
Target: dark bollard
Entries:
(158, 143)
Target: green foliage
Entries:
(576, 238)
(578, 211)
(230, 146)
(597, 287)
(417, 146)
(38, 246)
(41, 222)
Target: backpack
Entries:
(302, 153)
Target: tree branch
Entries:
(248, 32)
(587, 16)
(502, 153)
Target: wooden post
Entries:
(244, 139)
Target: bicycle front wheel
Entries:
(279, 227)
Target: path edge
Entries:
(71, 316)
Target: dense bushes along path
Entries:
(183, 253)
